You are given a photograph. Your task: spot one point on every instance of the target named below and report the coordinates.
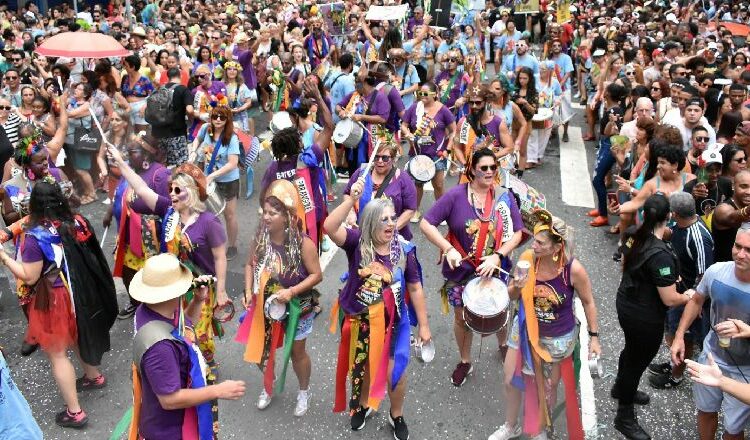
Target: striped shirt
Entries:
(11, 128)
(694, 247)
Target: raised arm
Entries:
(140, 187)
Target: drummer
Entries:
(366, 105)
(281, 257)
(547, 316)
(386, 180)
(384, 271)
(484, 227)
(429, 127)
(480, 128)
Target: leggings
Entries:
(604, 162)
(127, 276)
(642, 342)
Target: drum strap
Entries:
(483, 228)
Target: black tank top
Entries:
(724, 239)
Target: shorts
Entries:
(712, 399)
(136, 118)
(80, 160)
(304, 327)
(175, 150)
(228, 190)
(694, 333)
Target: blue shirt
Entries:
(409, 78)
(445, 47)
(511, 63)
(222, 157)
(340, 85)
(419, 53)
(563, 65)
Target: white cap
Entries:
(712, 45)
(712, 154)
(573, 8)
(672, 18)
(598, 53)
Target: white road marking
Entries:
(588, 401)
(577, 105)
(327, 257)
(575, 181)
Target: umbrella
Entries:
(737, 29)
(81, 45)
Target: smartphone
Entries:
(612, 198)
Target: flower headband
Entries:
(29, 146)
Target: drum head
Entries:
(486, 296)
(542, 114)
(274, 309)
(421, 168)
(342, 130)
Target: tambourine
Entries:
(275, 310)
(224, 313)
(596, 367)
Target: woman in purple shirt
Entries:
(547, 293)
(383, 273)
(399, 188)
(478, 212)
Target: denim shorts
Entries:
(695, 331)
(304, 327)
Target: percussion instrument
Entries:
(348, 133)
(421, 168)
(596, 367)
(486, 304)
(280, 121)
(275, 310)
(425, 351)
(214, 202)
(541, 117)
(224, 313)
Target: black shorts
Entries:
(228, 190)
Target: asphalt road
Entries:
(434, 408)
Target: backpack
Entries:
(159, 109)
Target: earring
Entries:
(555, 257)
(146, 165)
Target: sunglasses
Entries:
(11, 77)
(7, 108)
(488, 168)
(425, 94)
(476, 103)
(218, 117)
(177, 190)
(682, 73)
(16, 59)
(452, 60)
(740, 160)
(386, 220)
(201, 76)
(701, 138)
(656, 89)
(385, 158)
(630, 73)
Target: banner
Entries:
(563, 11)
(334, 17)
(387, 13)
(526, 6)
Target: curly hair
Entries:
(286, 143)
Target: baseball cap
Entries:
(712, 154)
(598, 53)
(712, 46)
(694, 101)
(672, 18)
(656, 52)
(670, 45)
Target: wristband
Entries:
(593, 334)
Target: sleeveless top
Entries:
(553, 303)
(724, 239)
(289, 278)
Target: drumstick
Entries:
(372, 157)
(98, 126)
(104, 237)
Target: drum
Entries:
(224, 314)
(348, 133)
(280, 121)
(421, 168)
(275, 310)
(486, 304)
(215, 202)
(542, 115)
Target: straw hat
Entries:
(138, 32)
(161, 279)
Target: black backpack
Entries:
(159, 109)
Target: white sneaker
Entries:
(506, 432)
(264, 400)
(303, 400)
(416, 217)
(106, 201)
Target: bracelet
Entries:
(593, 334)
(445, 253)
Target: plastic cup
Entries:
(724, 342)
(596, 368)
(522, 270)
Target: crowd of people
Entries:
(664, 90)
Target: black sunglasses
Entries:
(476, 103)
(702, 138)
(201, 76)
(11, 77)
(452, 60)
(175, 189)
(7, 108)
(218, 117)
(16, 59)
(385, 158)
(656, 88)
(486, 168)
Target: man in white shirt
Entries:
(643, 108)
(692, 117)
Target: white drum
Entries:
(215, 202)
(280, 121)
(486, 304)
(421, 168)
(275, 310)
(348, 133)
(542, 114)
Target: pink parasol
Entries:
(81, 45)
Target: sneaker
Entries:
(462, 370)
(303, 400)
(341, 174)
(660, 368)
(85, 384)
(106, 201)
(664, 381)
(263, 400)
(359, 418)
(127, 312)
(617, 256)
(506, 432)
(66, 419)
(400, 430)
(231, 253)
(443, 223)
(416, 217)
(331, 197)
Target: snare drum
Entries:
(215, 202)
(275, 310)
(543, 114)
(486, 304)
(421, 168)
(348, 133)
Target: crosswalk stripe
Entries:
(588, 401)
(575, 181)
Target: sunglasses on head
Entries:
(385, 158)
(487, 168)
(218, 117)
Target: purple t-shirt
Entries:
(402, 192)
(347, 296)
(443, 81)
(442, 119)
(553, 304)
(380, 104)
(286, 169)
(164, 370)
(397, 106)
(245, 58)
(454, 208)
(31, 252)
(157, 178)
(205, 233)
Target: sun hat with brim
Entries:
(162, 278)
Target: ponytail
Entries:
(655, 211)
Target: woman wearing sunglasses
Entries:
(191, 232)
(429, 127)
(217, 148)
(452, 82)
(135, 219)
(484, 227)
(383, 272)
(208, 95)
(284, 265)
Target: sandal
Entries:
(87, 200)
(589, 138)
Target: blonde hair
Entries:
(188, 183)
(565, 237)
